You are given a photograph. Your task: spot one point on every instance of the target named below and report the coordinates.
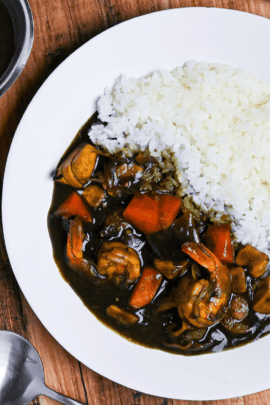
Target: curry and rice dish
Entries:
(132, 235)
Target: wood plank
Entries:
(62, 370)
(11, 314)
(101, 391)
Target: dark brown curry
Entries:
(147, 266)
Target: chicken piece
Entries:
(94, 195)
(239, 308)
(239, 281)
(170, 269)
(115, 259)
(118, 177)
(122, 316)
(255, 261)
(261, 299)
(78, 167)
(114, 224)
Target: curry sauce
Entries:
(160, 324)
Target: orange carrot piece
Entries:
(152, 214)
(218, 239)
(146, 288)
(143, 213)
(169, 208)
(72, 206)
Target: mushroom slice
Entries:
(122, 316)
(171, 269)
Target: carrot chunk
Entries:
(169, 207)
(146, 288)
(219, 240)
(143, 212)
(72, 206)
(152, 214)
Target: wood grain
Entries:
(61, 26)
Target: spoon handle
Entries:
(59, 397)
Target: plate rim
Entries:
(13, 147)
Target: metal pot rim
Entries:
(22, 19)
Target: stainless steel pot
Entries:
(23, 25)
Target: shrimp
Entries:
(115, 259)
(74, 250)
(202, 303)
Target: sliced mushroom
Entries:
(124, 317)
(171, 269)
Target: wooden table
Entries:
(61, 26)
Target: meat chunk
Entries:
(94, 195)
(255, 261)
(239, 308)
(239, 282)
(78, 167)
(261, 300)
(128, 171)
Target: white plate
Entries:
(161, 40)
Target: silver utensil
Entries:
(22, 374)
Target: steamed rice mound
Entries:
(212, 122)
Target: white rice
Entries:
(213, 121)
